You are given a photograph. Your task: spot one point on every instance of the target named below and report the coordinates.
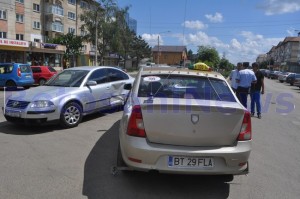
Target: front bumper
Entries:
(27, 116)
(227, 160)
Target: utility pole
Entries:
(96, 38)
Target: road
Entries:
(50, 162)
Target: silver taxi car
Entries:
(68, 96)
(183, 121)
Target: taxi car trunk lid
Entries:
(179, 122)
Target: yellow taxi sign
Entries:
(200, 66)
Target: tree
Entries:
(73, 45)
(139, 49)
(226, 65)
(208, 55)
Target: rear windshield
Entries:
(51, 69)
(176, 86)
(25, 68)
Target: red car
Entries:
(41, 74)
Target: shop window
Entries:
(36, 7)
(37, 40)
(20, 1)
(2, 14)
(3, 35)
(36, 25)
(19, 37)
(20, 18)
(71, 15)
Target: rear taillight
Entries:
(136, 124)
(246, 133)
(19, 72)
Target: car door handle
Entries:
(107, 88)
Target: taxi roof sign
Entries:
(200, 66)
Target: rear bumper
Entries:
(227, 160)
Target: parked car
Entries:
(68, 96)
(274, 74)
(15, 74)
(297, 80)
(41, 74)
(267, 73)
(282, 76)
(291, 78)
(178, 120)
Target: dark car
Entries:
(274, 74)
(291, 78)
(13, 75)
(41, 74)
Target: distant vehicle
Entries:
(41, 74)
(183, 121)
(13, 75)
(282, 76)
(68, 96)
(274, 74)
(297, 80)
(267, 73)
(291, 78)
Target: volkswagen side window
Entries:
(100, 76)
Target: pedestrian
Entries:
(257, 89)
(244, 79)
(233, 76)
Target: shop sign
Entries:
(52, 46)
(16, 43)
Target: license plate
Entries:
(13, 113)
(28, 76)
(191, 162)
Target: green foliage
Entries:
(225, 65)
(208, 55)
(72, 42)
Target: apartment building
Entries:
(286, 55)
(27, 25)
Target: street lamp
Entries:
(158, 49)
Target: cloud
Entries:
(273, 7)
(152, 39)
(194, 25)
(245, 49)
(217, 18)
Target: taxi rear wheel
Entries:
(71, 115)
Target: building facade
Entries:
(170, 55)
(26, 26)
(286, 55)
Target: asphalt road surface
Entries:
(51, 162)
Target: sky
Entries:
(240, 30)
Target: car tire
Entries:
(227, 178)
(71, 115)
(42, 82)
(291, 84)
(10, 84)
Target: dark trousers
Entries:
(242, 95)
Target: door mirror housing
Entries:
(127, 86)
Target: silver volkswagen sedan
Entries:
(68, 96)
(178, 120)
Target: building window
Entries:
(36, 25)
(83, 49)
(20, 1)
(2, 14)
(19, 37)
(71, 30)
(84, 5)
(83, 33)
(57, 26)
(37, 40)
(20, 18)
(71, 15)
(72, 2)
(57, 10)
(36, 7)
(3, 35)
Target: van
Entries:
(15, 74)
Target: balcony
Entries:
(55, 27)
(54, 10)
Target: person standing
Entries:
(244, 79)
(257, 89)
(233, 76)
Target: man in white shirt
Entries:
(233, 76)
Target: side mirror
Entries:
(127, 86)
(91, 83)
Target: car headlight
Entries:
(41, 104)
